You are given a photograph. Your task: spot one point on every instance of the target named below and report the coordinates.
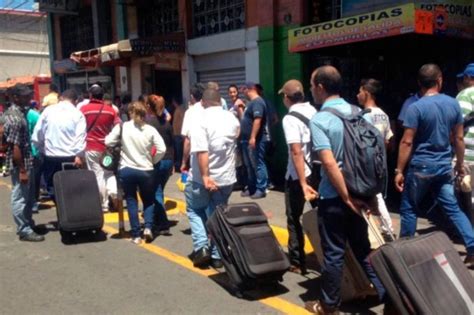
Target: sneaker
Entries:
(201, 258)
(469, 261)
(32, 237)
(258, 195)
(245, 193)
(148, 235)
(216, 263)
(316, 307)
(136, 240)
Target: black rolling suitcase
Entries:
(77, 201)
(248, 248)
(425, 275)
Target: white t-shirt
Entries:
(192, 119)
(137, 144)
(217, 134)
(297, 132)
(381, 121)
(84, 102)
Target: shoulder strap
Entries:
(96, 118)
(354, 112)
(300, 116)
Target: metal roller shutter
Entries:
(224, 78)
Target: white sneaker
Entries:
(136, 240)
(148, 234)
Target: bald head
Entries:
(211, 97)
(329, 78)
(429, 76)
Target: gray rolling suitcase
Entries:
(248, 248)
(425, 275)
(78, 201)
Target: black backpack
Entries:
(364, 156)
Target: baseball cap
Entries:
(291, 88)
(469, 71)
(22, 90)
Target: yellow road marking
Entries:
(274, 302)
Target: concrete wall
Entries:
(23, 44)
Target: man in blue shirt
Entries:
(339, 215)
(255, 139)
(430, 122)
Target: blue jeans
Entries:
(22, 199)
(163, 171)
(337, 226)
(143, 181)
(200, 204)
(254, 161)
(178, 152)
(440, 180)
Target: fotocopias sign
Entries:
(383, 23)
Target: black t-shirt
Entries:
(255, 109)
(166, 132)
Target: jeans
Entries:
(22, 198)
(105, 179)
(162, 171)
(200, 204)
(440, 180)
(132, 180)
(51, 166)
(294, 205)
(178, 152)
(254, 161)
(337, 226)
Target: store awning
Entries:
(399, 20)
(27, 79)
(116, 54)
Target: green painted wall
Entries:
(277, 65)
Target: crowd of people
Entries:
(219, 144)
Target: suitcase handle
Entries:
(66, 164)
(374, 229)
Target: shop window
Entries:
(323, 10)
(77, 31)
(157, 17)
(105, 22)
(217, 16)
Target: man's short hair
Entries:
(69, 94)
(211, 96)
(330, 78)
(197, 90)
(96, 92)
(428, 75)
(53, 87)
(213, 85)
(373, 86)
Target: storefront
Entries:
(390, 45)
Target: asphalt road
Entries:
(110, 275)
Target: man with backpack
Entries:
(297, 184)
(425, 154)
(339, 215)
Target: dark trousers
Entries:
(294, 204)
(178, 152)
(338, 225)
(51, 165)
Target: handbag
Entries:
(109, 160)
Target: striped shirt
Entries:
(466, 100)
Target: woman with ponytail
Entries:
(142, 148)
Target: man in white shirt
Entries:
(212, 173)
(190, 121)
(60, 135)
(368, 92)
(297, 186)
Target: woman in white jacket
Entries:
(142, 147)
